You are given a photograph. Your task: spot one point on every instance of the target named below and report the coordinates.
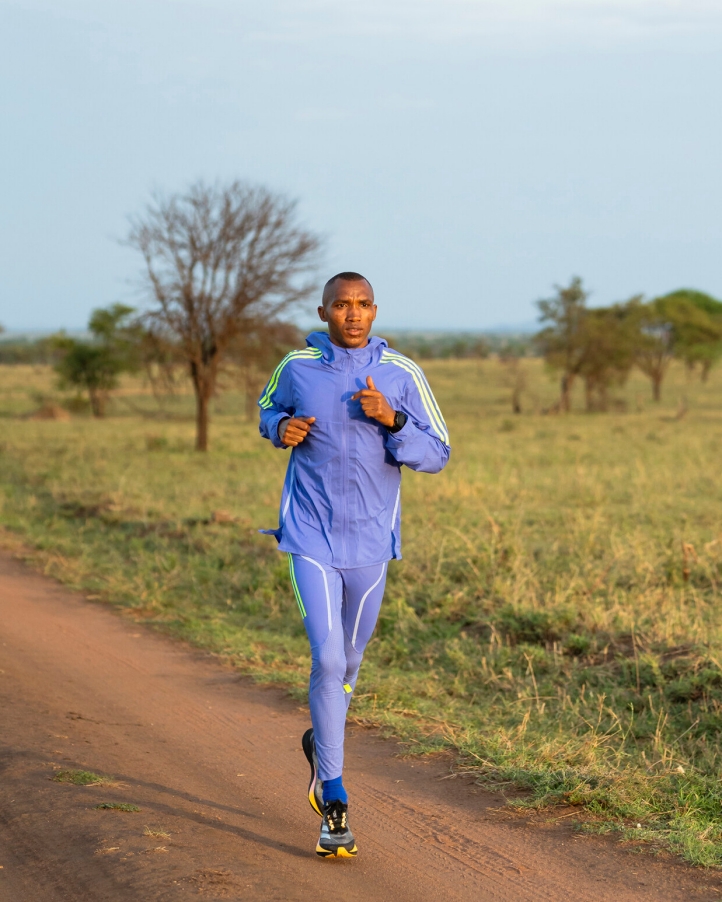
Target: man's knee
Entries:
(329, 662)
(328, 670)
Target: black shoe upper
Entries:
(336, 816)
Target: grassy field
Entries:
(556, 617)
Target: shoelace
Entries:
(336, 819)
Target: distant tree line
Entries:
(121, 341)
(461, 345)
(223, 265)
(27, 350)
(599, 346)
(440, 346)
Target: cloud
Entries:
(453, 20)
(530, 22)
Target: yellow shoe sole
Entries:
(339, 853)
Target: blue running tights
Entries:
(339, 610)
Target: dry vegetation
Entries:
(556, 616)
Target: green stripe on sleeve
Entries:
(308, 353)
(436, 421)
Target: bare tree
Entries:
(218, 259)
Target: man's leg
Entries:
(319, 593)
(363, 594)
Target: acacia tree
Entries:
(609, 346)
(670, 327)
(698, 328)
(94, 366)
(218, 260)
(562, 341)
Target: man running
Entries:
(353, 411)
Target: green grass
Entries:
(116, 806)
(80, 778)
(556, 617)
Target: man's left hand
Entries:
(374, 404)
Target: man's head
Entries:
(348, 307)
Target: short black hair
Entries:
(347, 277)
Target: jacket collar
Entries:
(359, 356)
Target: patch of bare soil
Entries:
(206, 796)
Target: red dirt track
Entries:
(216, 762)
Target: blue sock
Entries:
(333, 791)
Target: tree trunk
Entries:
(201, 421)
(204, 380)
(97, 402)
(706, 367)
(657, 386)
(565, 401)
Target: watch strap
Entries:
(400, 419)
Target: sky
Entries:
(466, 155)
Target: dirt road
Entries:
(215, 764)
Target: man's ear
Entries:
(322, 314)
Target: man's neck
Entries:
(349, 347)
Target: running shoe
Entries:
(315, 787)
(336, 839)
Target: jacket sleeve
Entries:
(423, 443)
(276, 403)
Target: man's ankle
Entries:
(333, 791)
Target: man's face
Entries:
(349, 310)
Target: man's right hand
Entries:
(294, 430)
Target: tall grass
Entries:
(555, 619)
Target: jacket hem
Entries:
(283, 547)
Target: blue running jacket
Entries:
(341, 496)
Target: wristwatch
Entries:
(399, 422)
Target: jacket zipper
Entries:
(345, 464)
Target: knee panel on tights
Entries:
(329, 659)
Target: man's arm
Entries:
(278, 423)
(422, 443)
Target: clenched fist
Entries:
(294, 430)
(374, 404)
